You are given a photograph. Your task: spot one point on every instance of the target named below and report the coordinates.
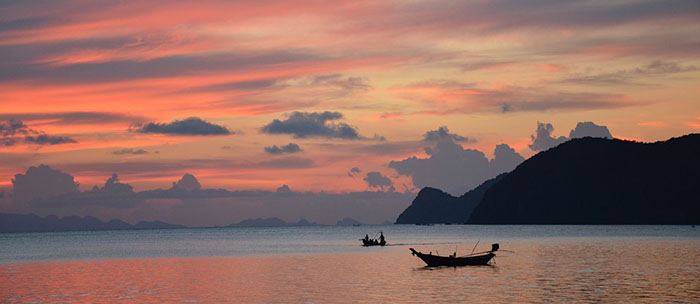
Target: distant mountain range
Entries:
(34, 223)
(582, 181)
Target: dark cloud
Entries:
(15, 131)
(187, 183)
(188, 126)
(353, 171)
(289, 148)
(42, 182)
(455, 169)
(44, 139)
(543, 139)
(283, 189)
(13, 127)
(444, 133)
(377, 180)
(114, 186)
(505, 108)
(130, 151)
(312, 124)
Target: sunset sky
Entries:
(326, 97)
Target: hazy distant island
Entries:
(348, 221)
(582, 181)
(277, 222)
(270, 222)
(34, 223)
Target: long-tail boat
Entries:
(479, 258)
(374, 242)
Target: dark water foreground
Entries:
(563, 264)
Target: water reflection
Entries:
(573, 272)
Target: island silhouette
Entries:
(582, 181)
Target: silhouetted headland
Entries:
(433, 206)
(582, 181)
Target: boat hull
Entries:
(437, 261)
(372, 242)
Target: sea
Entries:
(326, 264)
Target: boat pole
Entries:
(477, 244)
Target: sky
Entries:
(348, 106)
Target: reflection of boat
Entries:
(374, 242)
(479, 258)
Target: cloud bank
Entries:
(543, 139)
(455, 169)
(188, 203)
(42, 182)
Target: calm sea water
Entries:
(562, 264)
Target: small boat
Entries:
(479, 258)
(374, 242)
